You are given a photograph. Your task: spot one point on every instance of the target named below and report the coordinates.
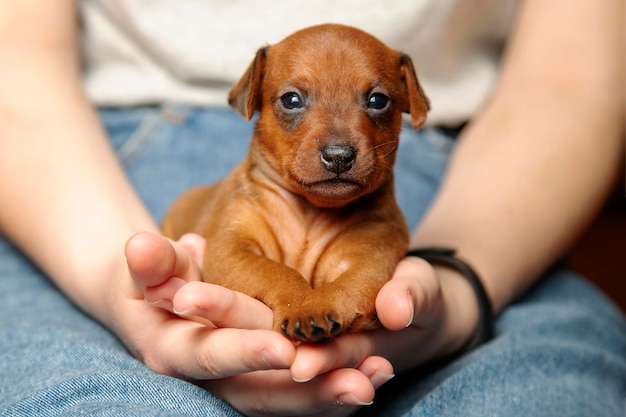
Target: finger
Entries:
(378, 369)
(194, 244)
(276, 394)
(161, 295)
(347, 351)
(221, 307)
(191, 350)
(411, 297)
(152, 259)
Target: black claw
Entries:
(297, 329)
(317, 332)
(310, 331)
(335, 328)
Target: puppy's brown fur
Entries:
(308, 223)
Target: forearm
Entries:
(533, 168)
(65, 200)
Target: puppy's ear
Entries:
(245, 96)
(416, 101)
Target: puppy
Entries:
(308, 222)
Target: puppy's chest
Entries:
(302, 238)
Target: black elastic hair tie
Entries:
(446, 257)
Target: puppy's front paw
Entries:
(312, 326)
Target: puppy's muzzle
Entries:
(338, 158)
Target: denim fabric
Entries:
(559, 351)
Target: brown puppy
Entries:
(308, 223)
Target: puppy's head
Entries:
(330, 100)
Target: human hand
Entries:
(427, 313)
(186, 336)
(174, 346)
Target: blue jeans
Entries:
(559, 351)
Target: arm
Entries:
(534, 167)
(528, 174)
(65, 201)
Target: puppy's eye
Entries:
(291, 101)
(377, 101)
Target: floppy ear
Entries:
(245, 96)
(416, 101)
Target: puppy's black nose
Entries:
(337, 158)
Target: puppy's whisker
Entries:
(386, 154)
(383, 144)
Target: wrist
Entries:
(98, 279)
(467, 308)
(461, 311)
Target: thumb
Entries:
(411, 297)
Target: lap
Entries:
(558, 351)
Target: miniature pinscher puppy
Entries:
(308, 222)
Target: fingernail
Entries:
(193, 314)
(152, 302)
(412, 307)
(301, 380)
(161, 303)
(187, 313)
(349, 399)
(380, 378)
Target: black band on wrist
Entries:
(446, 257)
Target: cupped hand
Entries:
(175, 346)
(427, 313)
(221, 339)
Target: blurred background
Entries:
(600, 254)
